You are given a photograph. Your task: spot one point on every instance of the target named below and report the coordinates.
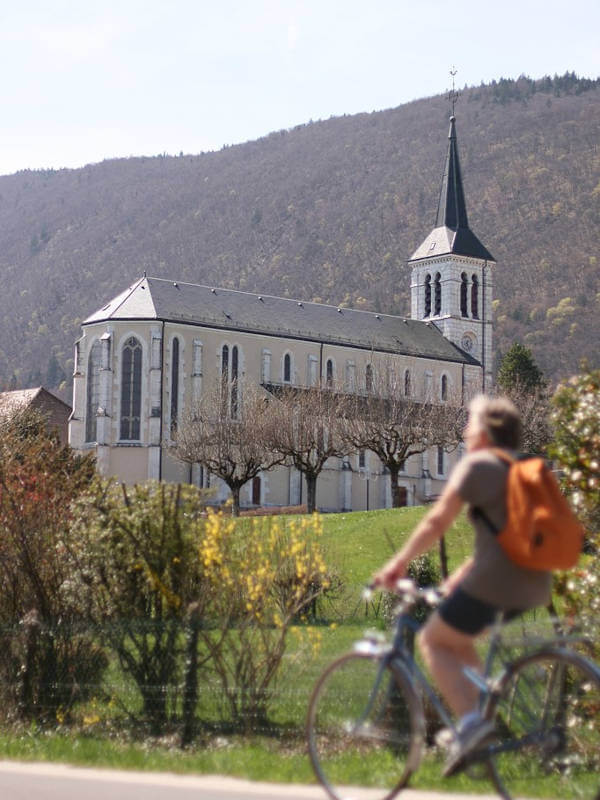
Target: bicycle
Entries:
(367, 717)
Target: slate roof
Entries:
(226, 309)
(452, 233)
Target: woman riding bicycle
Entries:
(487, 583)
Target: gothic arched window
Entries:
(131, 389)
(287, 368)
(437, 286)
(174, 384)
(407, 383)
(427, 296)
(225, 363)
(234, 381)
(444, 388)
(464, 290)
(475, 297)
(93, 392)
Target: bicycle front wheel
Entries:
(364, 727)
(547, 718)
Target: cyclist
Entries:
(488, 582)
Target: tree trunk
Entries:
(443, 558)
(394, 472)
(235, 497)
(311, 492)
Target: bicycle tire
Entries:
(365, 726)
(546, 712)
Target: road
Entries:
(21, 781)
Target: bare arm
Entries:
(433, 525)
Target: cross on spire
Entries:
(453, 95)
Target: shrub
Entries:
(576, 448)
(44, 667)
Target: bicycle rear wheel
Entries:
(364, 726)
(547, 718)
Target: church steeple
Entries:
(452, 233)
(452, 211)
(452, 280)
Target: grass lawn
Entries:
(355, 545)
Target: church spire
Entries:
(452, 210)
(452, 233)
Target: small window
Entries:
(407, 388)
(441, 465)
(362, 459)
(287, 368)
(329, 373)
(427, 296)
(225, 362)
(369, 378)
(444, 388)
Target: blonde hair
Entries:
(499, 418)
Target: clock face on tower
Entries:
(467, 343)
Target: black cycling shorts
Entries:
(469, 615)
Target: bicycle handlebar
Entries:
(408, 592)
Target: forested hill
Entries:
(328, 211)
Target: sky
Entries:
(85, 81)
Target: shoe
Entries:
(466, 742)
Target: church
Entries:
(154, 349)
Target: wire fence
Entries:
(139, 678)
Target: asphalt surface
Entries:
(23, 781)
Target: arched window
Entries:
(464, 289)
(287, 368)
(369, 378)
(234, 382)
(475, 297)
(427, 296)
(131, 389)
(437, 295)
(441, 465)
(329, 373)
(444, 388)
(93, 392)
(225, 363)
(407, 383)
(174, 384)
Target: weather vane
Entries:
(453, 95)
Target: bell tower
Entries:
(452, 276)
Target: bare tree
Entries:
(230, 440)
(396, 427)
(306, 430)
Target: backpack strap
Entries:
(478, 512)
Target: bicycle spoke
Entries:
(362, 728)
(547, 720)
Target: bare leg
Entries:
(446, 651)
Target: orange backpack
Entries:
(541, 531)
